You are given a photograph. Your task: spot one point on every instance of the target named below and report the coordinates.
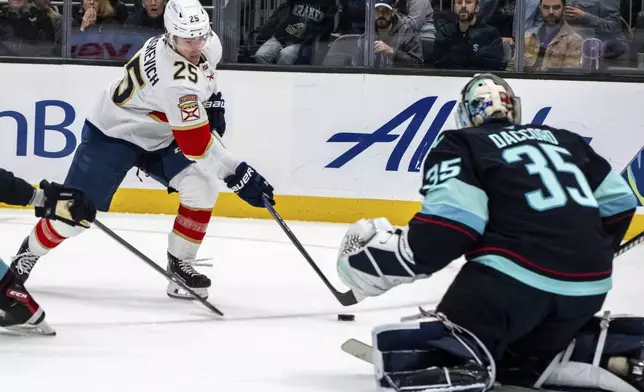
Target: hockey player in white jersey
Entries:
(156, 118)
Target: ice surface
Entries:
(118, 331)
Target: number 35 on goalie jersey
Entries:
(533, 202)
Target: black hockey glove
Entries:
(69, 205)
(250, 185)
(216, 110)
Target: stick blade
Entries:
(358, 349)
(347, 299)
(156, 267)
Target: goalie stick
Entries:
(630, 244)
(156, 267)
(363, 351)
(347, 298)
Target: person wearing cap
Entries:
(300, 23)
(396, 43)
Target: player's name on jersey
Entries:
(150, 61)
(506, 138)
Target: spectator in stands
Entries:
(304, 22)
(604, 17)
(26, 31)
(44, 7)
(553, 44)
(397, 43)
(351, 17)
(500, 15)
(100, 13)
(268, 28)
(421, 14)
(149, 16)
(590, 18)
(601, 15)
(462, 42)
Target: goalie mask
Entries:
(487, 98)
(187, 26)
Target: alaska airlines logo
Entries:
(417, 113)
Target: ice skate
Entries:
(23, 262)
(20, 312)
(184, 270)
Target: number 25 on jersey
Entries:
(123, 93)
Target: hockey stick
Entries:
(154, 265)
(358, 349)
(346, 299)
(630, 244)
(363, 351)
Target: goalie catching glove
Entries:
(57, 202)
(374, 257)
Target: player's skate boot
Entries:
(470, 377)
(24, 261)
(18, 310)
(184, 270)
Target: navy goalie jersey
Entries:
(533, 202)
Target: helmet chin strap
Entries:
(169, 40)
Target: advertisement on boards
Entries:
(375, 142)
(328, 135)
(109, 43)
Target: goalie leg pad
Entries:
(624, 336)
(616, 344)
(430, 355)
(570, 374)
(607, 354)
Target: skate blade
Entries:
(42, 329)
(36, 325)
(176, 292)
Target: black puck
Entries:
(346, 317)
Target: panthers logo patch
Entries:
(189, 106)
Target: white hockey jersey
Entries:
(160, 100)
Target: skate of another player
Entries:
(113, 318)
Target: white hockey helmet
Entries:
(487, 98)
(185, 19)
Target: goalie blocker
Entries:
(433, 354)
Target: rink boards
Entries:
(336, 147)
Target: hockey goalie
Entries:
(538, 216)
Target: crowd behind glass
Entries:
(554, 36)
